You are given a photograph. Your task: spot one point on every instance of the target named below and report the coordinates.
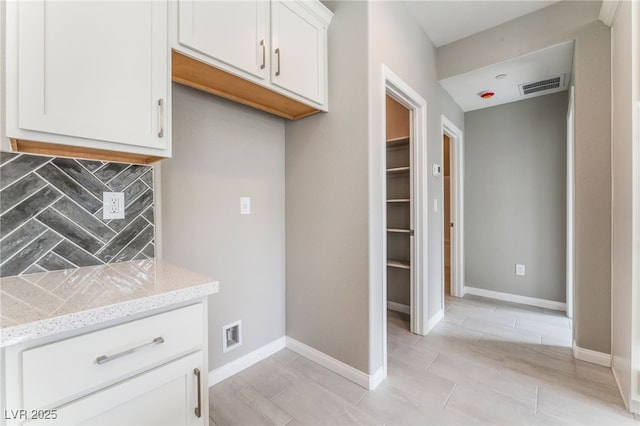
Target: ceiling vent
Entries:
(542, 85)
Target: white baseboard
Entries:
(376, 378)
(246, 361)
(434, 320)
(348, 372)
(515, 298)
(622, 393)
(593, 357)
(399, 307)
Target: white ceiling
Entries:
(543, 64)
(446, 21)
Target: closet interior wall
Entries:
(399, 206)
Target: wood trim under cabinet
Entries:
(193, 73)
(57, 150)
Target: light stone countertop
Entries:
(48, 303)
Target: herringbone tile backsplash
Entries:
(51, 213)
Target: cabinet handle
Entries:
(106, 358)
(264, 53)
(160, 118)
(198, 410)
(278, 53)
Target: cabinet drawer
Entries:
(167, 395)
(54, 373)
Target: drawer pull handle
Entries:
(198, 409)
(104, 358)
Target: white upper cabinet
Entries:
(299, 50)
(91, 74)
(233, 32)
(278, 45)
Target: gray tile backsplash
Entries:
(51, 213)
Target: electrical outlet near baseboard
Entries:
(231, 336)
(519, 269)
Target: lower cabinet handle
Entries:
(106, 358)
(278, 70)
(198, 409)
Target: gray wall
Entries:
(558, 23)
(327, 196)
(222, 151)
(397, 41)
(625, 185)
(515, 197)
(334, 183)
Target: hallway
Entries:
(487, 362)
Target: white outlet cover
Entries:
(113, 205)
(245, 205)
(520, 269)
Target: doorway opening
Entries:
(452, 211)
(404, 195)
(400, 204)
(447, 223)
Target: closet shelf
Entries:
(403, 140)
(399, 200)
(402, 264)
(399, 169)
(399, 230)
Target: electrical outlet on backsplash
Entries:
(51, 213)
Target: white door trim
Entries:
(456, 198)
(570, 207)
(395, 87)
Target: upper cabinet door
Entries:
(298, 50)
(232, 32)
(96, 70)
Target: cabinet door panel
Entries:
(93, 70)
(228, 31)
(297, 65)
(166, 395)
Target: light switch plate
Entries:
(245, 205)
(113, 205)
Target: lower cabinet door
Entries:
(166, 395)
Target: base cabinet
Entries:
(167, 395)
(148, 371)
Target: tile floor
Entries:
(487, 362)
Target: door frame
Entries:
(570, 277)
(400, 91)
(456, 209)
